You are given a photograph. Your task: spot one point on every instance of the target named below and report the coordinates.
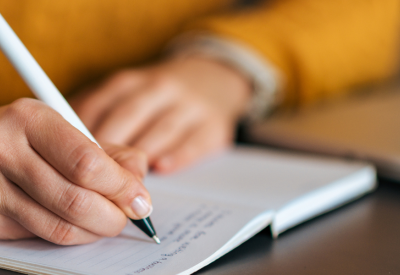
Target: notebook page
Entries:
(190, 229)
(255, 177)
(221, 196)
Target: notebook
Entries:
(364, 127)
(204, 212)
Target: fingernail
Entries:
(141, 207)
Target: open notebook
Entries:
(204, 212)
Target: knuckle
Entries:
(24, 103)
(76, 203)
(86, 164)
(27, 113)
(17, 120)
(62, 233)
(25, 108)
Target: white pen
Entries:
(44, 89)
(36, 79)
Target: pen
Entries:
(46, 91)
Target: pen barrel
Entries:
(146, 226)
(34, 76)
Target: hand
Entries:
(176, 111)
(58, 185)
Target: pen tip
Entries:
(156, 239)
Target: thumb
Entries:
(130, 158)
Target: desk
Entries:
(360, 238)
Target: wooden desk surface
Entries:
(360, 238)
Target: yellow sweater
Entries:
(321, 47)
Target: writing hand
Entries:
(58, 185)
(176, 111)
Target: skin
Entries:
(58, 185)
(176, 111)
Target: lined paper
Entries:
(190, 230)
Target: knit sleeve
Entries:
(321, 48)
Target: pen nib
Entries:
(156, 239)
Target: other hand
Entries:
(176, 111)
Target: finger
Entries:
(204, 141)
(168, 131)
(91, 105)
(79, 206)
(77, 158)
(126, 120)
(38, 220)
(130, 158)
(11, 230)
